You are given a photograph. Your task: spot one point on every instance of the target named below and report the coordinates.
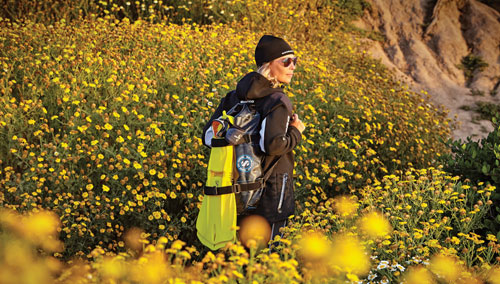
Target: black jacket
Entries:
(278, 139)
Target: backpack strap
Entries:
(217, 142)
(237, 188)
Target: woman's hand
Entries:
(297, 123)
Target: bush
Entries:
(431, 213)
(487, 110)
(479, 161)
(470, 64)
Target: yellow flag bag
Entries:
(216, 223)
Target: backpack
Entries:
(235, 179)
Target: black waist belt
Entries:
(235, 188)
(221, 142)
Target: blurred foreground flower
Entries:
(40, 228)
(152, 268)
(345, 205)
(445, 267)
(349, 255)
(375, 225)
(133, 239)
(21, 238)
(112, 268)
(254, 230)
(418, 275)
(315, 247)
(494, 275)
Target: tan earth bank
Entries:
(425, 41)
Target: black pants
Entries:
(275, 231)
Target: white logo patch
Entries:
(244, 163)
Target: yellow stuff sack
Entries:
(216, 222)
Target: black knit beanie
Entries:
(270, 48)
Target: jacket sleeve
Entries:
(208, 134)
(277, 136)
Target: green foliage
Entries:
(427, 208)
(476, 92)
(470, 64)
(479, 161)
(173, 11)
(487, 110)
(46, 11)
(180, 11)
(353, 8)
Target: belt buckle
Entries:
(237, 188)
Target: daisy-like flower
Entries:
(397, 266)
(383, 264)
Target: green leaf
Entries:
(485, 169)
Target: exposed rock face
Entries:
(425, 43)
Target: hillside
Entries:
(425, 42)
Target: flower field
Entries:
(102, 167)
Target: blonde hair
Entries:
(265, 71)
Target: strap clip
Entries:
(236, 188)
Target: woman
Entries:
(280, 129)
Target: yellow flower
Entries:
(157, 215)
(177, 245)
(105, 188)
(492, 238)
(375, 225)
(108, 126)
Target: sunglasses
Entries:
(287, 61)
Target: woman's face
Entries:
(282, 68)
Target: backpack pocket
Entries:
(277, 202)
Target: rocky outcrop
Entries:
(425, 41)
